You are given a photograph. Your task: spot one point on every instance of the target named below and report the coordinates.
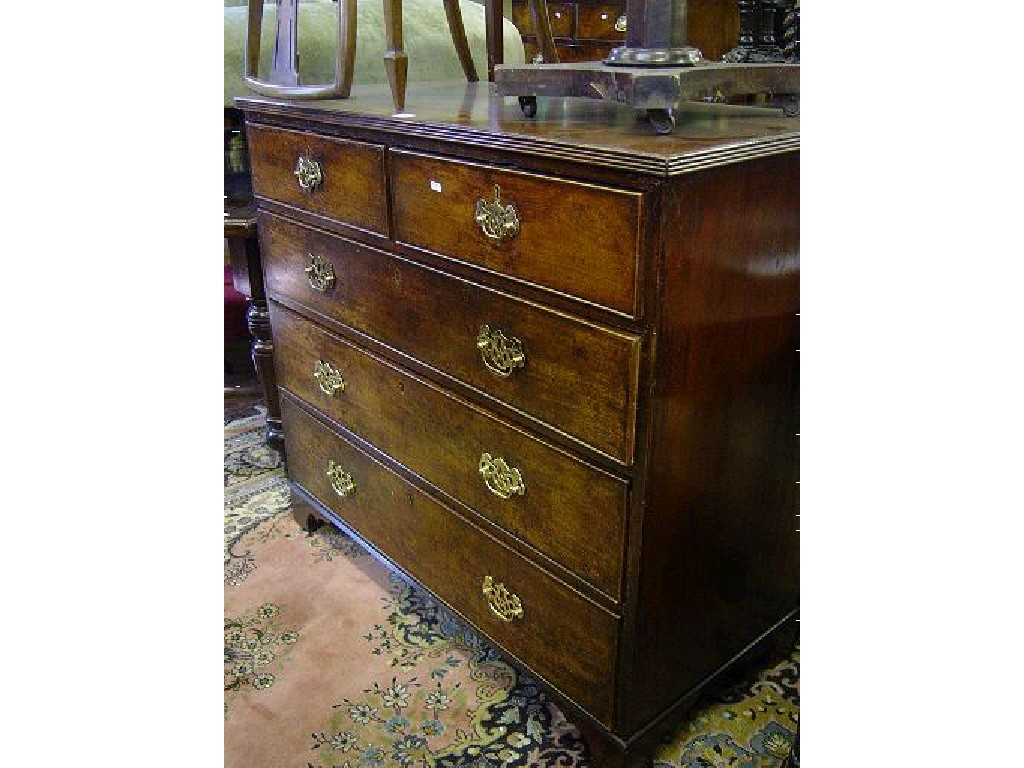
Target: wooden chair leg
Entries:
(345, 63)
(454, 13)
(542, 28)
(493, 24)
(396, 62)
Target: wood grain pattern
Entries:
(352, 191)
(578, 376)
(441, 438)
(723, 460)
(577, 239)
(450, 557)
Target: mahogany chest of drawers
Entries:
(549, 370)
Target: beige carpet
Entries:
(330, 661)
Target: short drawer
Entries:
(340, 179)
(564, 638)
(573, 513)
(579, 377)
(572, 238)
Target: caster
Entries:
(662, 120)
(528, 105)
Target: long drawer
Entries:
(533, 616)
(341, 179)
(570, 511)
(576, 239)
(579, 377)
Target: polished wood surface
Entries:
(579, 377)
(450, 557)
(442, 438)
(574, 238)
(724, 447)
(352, 190)
(667, 366)
(587, 135)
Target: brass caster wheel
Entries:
(662, 120)
(528, 106)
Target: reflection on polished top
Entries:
(602, 133)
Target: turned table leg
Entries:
(396, 62)
(263, 361)
(454, 13)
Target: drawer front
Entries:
(576, 376)
(571, 512)
(572, 238)
(564, 638)
(343, 180)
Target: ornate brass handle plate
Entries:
(620, 23)
(320, 273)
(341, 480)
(499, 222)
(501, 479)
(328, 377)
(501, 354)
(309, 174)
(504, 604)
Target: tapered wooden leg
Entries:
(454, 13)
(346, 61)
(542, 28)
(493, 25)
(396, 62)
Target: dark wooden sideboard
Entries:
(587, 30)
(548, 369)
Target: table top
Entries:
(601, 132)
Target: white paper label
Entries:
(435, 185)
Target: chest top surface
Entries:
(586, 130)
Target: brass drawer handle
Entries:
(501, 479)
(341, 480)
(309, 174)
(501, 354)
(503, 604)
(620, 23)
(328, 377)
(499, 222)
(320, 273)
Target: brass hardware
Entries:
(501, 479)
(308, 172)
(501, 354)
(328, 377)
(499, 222)
(620, 23)
(341, 480)
(503, 604)
(320, 273)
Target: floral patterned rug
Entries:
(330, 661)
